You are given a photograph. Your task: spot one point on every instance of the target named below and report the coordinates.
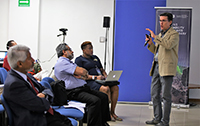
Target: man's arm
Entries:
(152, 48)
(23, 96)
(169, 41)
(81, 73)
(44, 92)
(103, 72)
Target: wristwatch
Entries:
(94, 77)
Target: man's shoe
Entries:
(106, 124)
(162, 124)
(152, 122)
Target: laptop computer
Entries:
(2, 56)
(112, 78)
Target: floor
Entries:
(136, 115)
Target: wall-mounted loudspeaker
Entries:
(106, 22)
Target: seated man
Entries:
(5, 61)
(93, 65)
(28, 100)
(37, 67)
(74, 77)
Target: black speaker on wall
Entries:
(106, 22)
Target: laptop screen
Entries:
(2, 55)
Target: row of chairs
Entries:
(69, 112)
(3, 74)
(73, 114)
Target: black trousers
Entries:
(57, 120)
(96, 102)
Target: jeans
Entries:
(161, 84)
(96, 103)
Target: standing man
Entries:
(163, 68)
(74, 77)
(29, 101)
(5, 61)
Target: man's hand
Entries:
(152, 33)
(100, 77)
(41, 95)
(149, 40)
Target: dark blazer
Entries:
(28, 109)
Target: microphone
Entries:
(148, 36)
(146, 42)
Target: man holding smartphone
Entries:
(163, 69)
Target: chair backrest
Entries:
(48, 79)
(1, 108)
(3, 74)
(46, 84)
(8, 110)
(54, 77)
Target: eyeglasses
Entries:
(162, 20)
(69, 49)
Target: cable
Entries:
(46, 60)
(63, 30)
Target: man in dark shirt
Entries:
(96, 72)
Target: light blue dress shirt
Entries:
(64, 70)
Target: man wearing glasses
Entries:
(163, 69)
(74, 78)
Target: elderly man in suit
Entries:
(163, 69)
(28, 100)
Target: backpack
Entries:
(60, 93)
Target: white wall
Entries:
(82, 18)
(4, 5)
(23, 24)
(194, 76)
(37, 26)
(19, 24)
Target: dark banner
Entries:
(182, 24)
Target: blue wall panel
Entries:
(130, 55)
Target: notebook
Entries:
(112, 78)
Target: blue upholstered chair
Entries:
(48, 79)
(8, 117)
(3, 74)
(1, 113)
(69, 112)
(1, 109)
(73, 121)
(46, 84)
